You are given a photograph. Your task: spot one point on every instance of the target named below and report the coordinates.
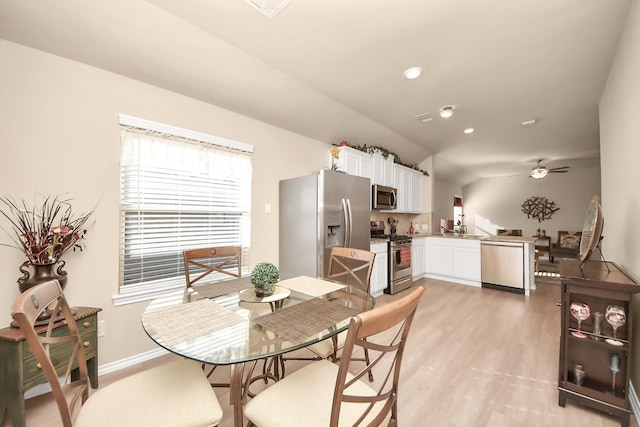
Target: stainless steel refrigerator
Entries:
(318, 212)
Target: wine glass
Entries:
(614, 367)
(616, 317)
(580, 311)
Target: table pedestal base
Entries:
(240, 387)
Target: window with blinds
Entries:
(179, 190)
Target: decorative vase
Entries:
(597, 326)
(40, 274)
(264, 289)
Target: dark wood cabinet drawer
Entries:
(19, 370)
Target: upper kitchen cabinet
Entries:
(355, 162)
(382, 170)
(409, 185)
(373, 166)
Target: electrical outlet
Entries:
(267, 208)
(102, 328)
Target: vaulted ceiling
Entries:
(333, 69)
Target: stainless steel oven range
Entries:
(400, 273)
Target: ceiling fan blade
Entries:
(559, 169)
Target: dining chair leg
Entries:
(213, 368)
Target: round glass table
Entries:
(225, 330)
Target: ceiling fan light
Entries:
(538, 173)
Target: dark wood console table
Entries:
(598, 287)
(19, 369)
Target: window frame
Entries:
(145, 291)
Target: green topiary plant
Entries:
(263, 277)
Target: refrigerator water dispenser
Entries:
(334, 233)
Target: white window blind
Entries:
(179, 190)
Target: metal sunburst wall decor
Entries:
(539, 208)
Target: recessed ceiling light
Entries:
(412, 73)
(529, 122)
(469, 130)
(446, 111)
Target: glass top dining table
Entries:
(225, 323)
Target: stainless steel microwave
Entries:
(383, 197)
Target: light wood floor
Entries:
(476, 357)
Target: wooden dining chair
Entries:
(351, 266)
(172, 394)
(226, 260)
(347, 265)
(328, 394)
(202, 262)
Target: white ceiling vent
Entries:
(269, 8)
(424, 117)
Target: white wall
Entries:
(59, 133)
(443, 193)
(499, 201)
(620, 151)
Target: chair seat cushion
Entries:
(176, 394)
(304, 398)
(324, 348)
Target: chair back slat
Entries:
(226, 260)
(26, 311)
(353, 266)
(383, 332)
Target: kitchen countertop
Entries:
(512, 239)
(378, 240)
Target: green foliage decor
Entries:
(264, 273)
(263, 277)
(386, 153)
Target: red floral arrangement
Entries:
(46, 231)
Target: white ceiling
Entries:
(332, 69)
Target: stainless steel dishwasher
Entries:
(503, 265)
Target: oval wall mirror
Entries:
(591, 230)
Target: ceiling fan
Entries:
(541, 171)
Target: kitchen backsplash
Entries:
(422, 224)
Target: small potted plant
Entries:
(264, 276)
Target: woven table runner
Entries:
(298, 322)
(215, 289)
(310, 286)
(188, 321)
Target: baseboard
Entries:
(130, 361)
(633, 400)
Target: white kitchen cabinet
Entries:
(355, 162)
(379, 275)
(382, 170)
(399, 184)
(467, 262)
(453, 259)
(416, 192)
(385, 172)
(418, 256)
(409, 184)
